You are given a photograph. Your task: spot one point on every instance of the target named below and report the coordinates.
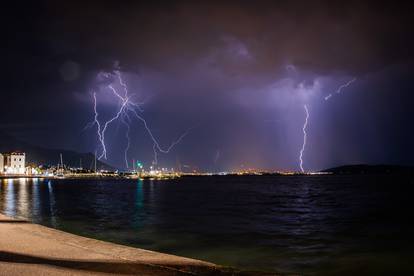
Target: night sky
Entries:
(236, 73)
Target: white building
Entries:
(1, 163)
(15, 163)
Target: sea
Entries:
(302, 225)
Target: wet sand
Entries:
(31, 249)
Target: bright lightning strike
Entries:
(110, 121)
(97, 123)
(338, 91)
(304, 139)
(126, 107)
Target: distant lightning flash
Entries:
(339, 90)
(128, 140)
(156, 145)
(123, 113)
(217, 156)
(304, 138)
(154, 148)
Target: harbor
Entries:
(13, 165)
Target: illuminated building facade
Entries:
(15, 163)
(1, 163)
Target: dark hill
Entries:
(371, 169)
(39, 155)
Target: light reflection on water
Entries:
(139, 205)
(10, 198)
(35, 198)
(23, 202)
(52, 204)
(294, 224)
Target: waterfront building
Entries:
(1, 163)
(15, 163)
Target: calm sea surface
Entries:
(330, 225)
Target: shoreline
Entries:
(28, 248)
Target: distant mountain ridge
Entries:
(370, 169)
(44, 156)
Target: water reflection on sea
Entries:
(310, 224)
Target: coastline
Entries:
(28, 248)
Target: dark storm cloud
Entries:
(316, 35)
(49, 42)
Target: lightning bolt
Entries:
(154, 148)
(96, 122)
(126, 108)
(110, 121)
(156, 145)
(339, 90)
(128, 140)
(304, 138)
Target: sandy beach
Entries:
(31, 249)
